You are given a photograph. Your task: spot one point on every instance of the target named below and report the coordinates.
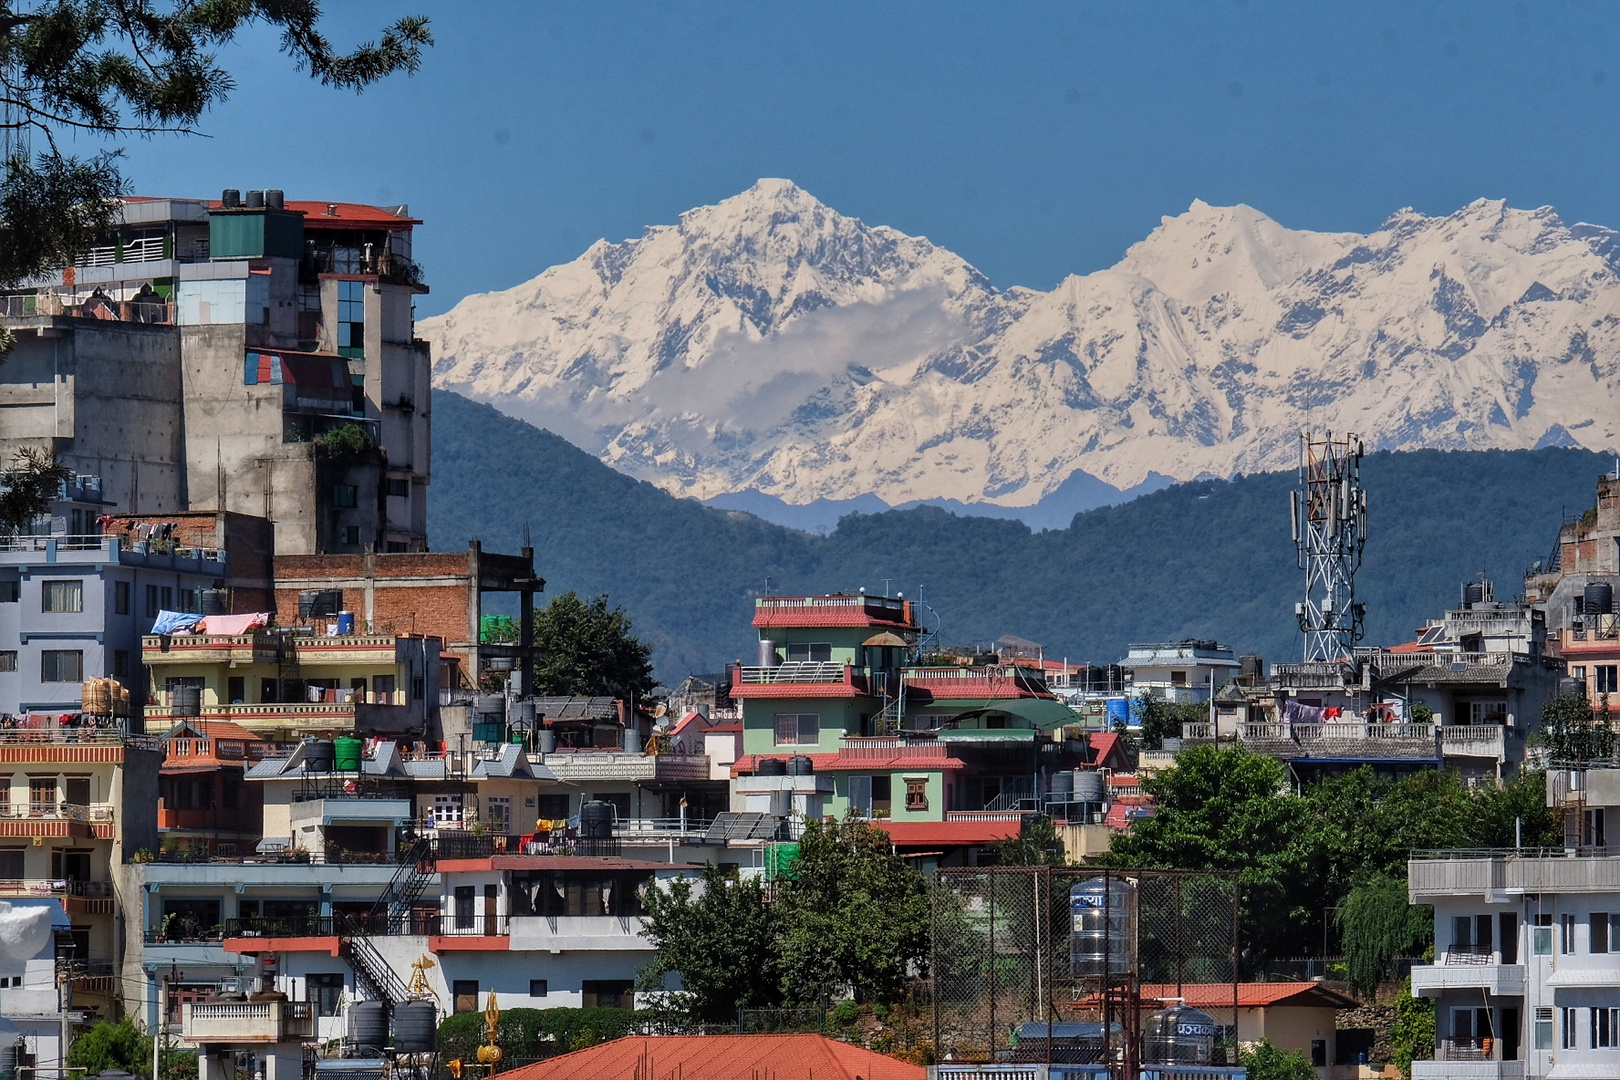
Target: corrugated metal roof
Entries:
(722, 1057)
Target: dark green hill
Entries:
(1204, 559)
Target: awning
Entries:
(273, 845)
(887, 639)
(1043, 713)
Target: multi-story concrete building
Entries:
(1187, 671)
(74, 606)
(253, 356)
(1526, 977)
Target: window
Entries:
(351, 318)
(537, 988)
(1541, 936)
(1178, 678)
(61, 665)
(8, 660)
(500, 813)
(61, 597)
(1577, 671)
(120, 598)
(11, 864)
(798, 729)
(1542, 1037)
(814, 651)
(465, 993)
(325, 990)
(399, 487)
(1568, 1019)
(465, 910)
(121, 664)
(916, 793)
(1566, 936)
(1600, 932)
(344, 495)
(606, 993)
(1605, 1029)
(351, 535)
(1608, 678)
(9, 591)
(167, 595)
(152, 608)
(446, 811)
(1593, 831)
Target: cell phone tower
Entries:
(1329, 511)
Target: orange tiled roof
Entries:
(722, 1057)
(1250, 995)
(943, 833)
(748, 764)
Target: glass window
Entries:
(813, 651)
(1566, 936)
(1542, 1037)
(1541, 936)
(152, 608)
(8, 592)
(1600, 932)
(11, 864)
(798, 729)
(398, 488)
(120, 598)
(446, 810)
(1608, 678)
(500, 813)
(61, 596)
(607, 993)
(537, 988)
(325, 990)
(344, 495)
(8, 660)
(916, 793)
(1605, 1028)
(1569, 1037)
(61, 665)
(351, 320)
(121, 663)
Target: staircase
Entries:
(389, 915)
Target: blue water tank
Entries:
(1119, 711)
(345, 622)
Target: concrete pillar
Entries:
(284, 1061)
(212, 1066)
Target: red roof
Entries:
(344, 215)
(749, 763)
(721, 1057)
(771, 618)
(1250, 995)
(1103, 744)
(940, 833)
(842, 689)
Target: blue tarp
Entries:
(175, 622)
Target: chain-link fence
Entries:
(1077, 965)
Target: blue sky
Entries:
(1033, 139)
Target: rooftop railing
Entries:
(796, 671)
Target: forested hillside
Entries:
(1203, 559)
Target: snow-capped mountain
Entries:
(770, 345)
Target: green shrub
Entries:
(534, 1033)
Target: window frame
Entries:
(10, 591)
(345, 496)
(8, 661)
(800, 723)
(916, 793)
(1570, 1040)
(1606, 678)
(1541, 935)
(45, 660)
(50, 587)
(1541, 1028)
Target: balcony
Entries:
(1464, 969)
(1474, 740)
(159, 649)
(349, 811)
(248, 1021)
(1468, 1059)
(800, 678)
(1200, 732)
(571, 766)
(43, 819)
(978, 684)
(576, 933)
(1507, 872)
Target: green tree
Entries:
(854, 916)
(28, 486)
(587, 649)
(1267, 1061)
(721, 939)
(1411, 1035)
(1037, 844)
(1161, 719)
(117, 68)
(1376, 925)
(122, 1046)
(532, 1033)
(1572, 731)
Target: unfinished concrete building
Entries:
(254, 356)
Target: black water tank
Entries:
(313, 603)
(799, 765)
(1472, 593)
(415, 1025)
(772, 766)
(275, 199)
(214, 601)
(255, 200)
(320, 756)
(230, 198)
(368, 1024)
(596, 820)
(1599, 598)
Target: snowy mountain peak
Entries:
(770, 344)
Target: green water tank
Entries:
(346, 753)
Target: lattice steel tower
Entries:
(1329, 512)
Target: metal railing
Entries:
(796, 671)
(96, 890)
(54, 731)
(1484, 1048)
(1469, 955)
(56, 811)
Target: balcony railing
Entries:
(1484, 1048)
(1202, 731)
(1470, 955)
(65, 734)
(250, 1021)
(96, 890)
(55, 811)
(796, 671)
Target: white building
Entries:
(1179, 671)
(1526, 977)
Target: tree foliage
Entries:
(587, 649)
(721, 938)
(1411, 1035)
(27, 487)
(113, 68)
(1161, 719)
(1377, 925)
(854, 916)
(1571, 730)
(1266, 1060)
(533, 1033)
(1037, 844)
(124, 1047)
(1298, 856)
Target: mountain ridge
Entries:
(769, 344)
